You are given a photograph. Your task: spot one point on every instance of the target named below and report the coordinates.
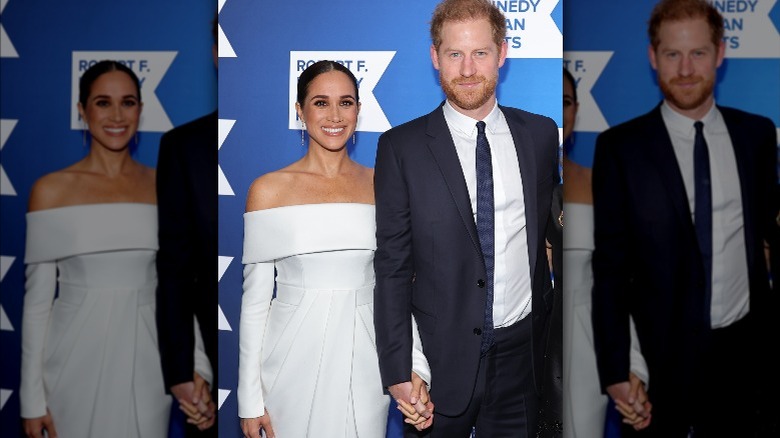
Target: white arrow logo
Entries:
(367, 67)
(586, 67)
(150, 67)
(6, 126)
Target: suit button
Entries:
(477, 331)
(481, 283)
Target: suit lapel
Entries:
(204, 155)
(526, 157)
(658, 147)
(443, 150)
(742, 144)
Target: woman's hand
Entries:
(34, 427)
(637, 411)
(195, 401)
(419, 409)
(251, 426)
(413, 417)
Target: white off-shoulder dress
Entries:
(308, 355)
(91, 354)
(584, 406)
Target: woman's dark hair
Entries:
(215, 27)
(90, 76)
(567, 76)
(317, 69)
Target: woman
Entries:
(308, 363)
(584, 406)
(90, 363)
(550, 420)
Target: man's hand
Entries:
(34, 427)
(638, 396)
(414, 402)
(194, 399)
(251, 426)
(631, 402)
(183, 391)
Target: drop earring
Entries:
(303, 129)
(353, 139)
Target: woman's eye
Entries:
(320, 103)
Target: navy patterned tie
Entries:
(703, 208)
(486, 226)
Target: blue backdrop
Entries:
(43, 48)
(616, 82)
(383, 43)
(605, 48)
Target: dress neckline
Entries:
(315, 204)
(95, 205)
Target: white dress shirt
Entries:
(512, 280)
(730, 290)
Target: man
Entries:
(681, 212)
(187, 265)
(467, 260)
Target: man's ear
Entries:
(502, 52)
(651, 56)
(721, 53)
(434, 57)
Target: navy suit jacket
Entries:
(187, 259)
(647, 262)
(429, 261)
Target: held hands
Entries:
(414, 402)
(34, 427)
(195, 401)
(632, 402)
(251, 426)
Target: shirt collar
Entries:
(684, 125)
(468, 126)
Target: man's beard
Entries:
(688, 99)
(469, 99)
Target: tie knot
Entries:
(480, 127)
(699, 126)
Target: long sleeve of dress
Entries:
(255, 304)
(201, 361)
(40, 285)
(638, 364)
(419, 361)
